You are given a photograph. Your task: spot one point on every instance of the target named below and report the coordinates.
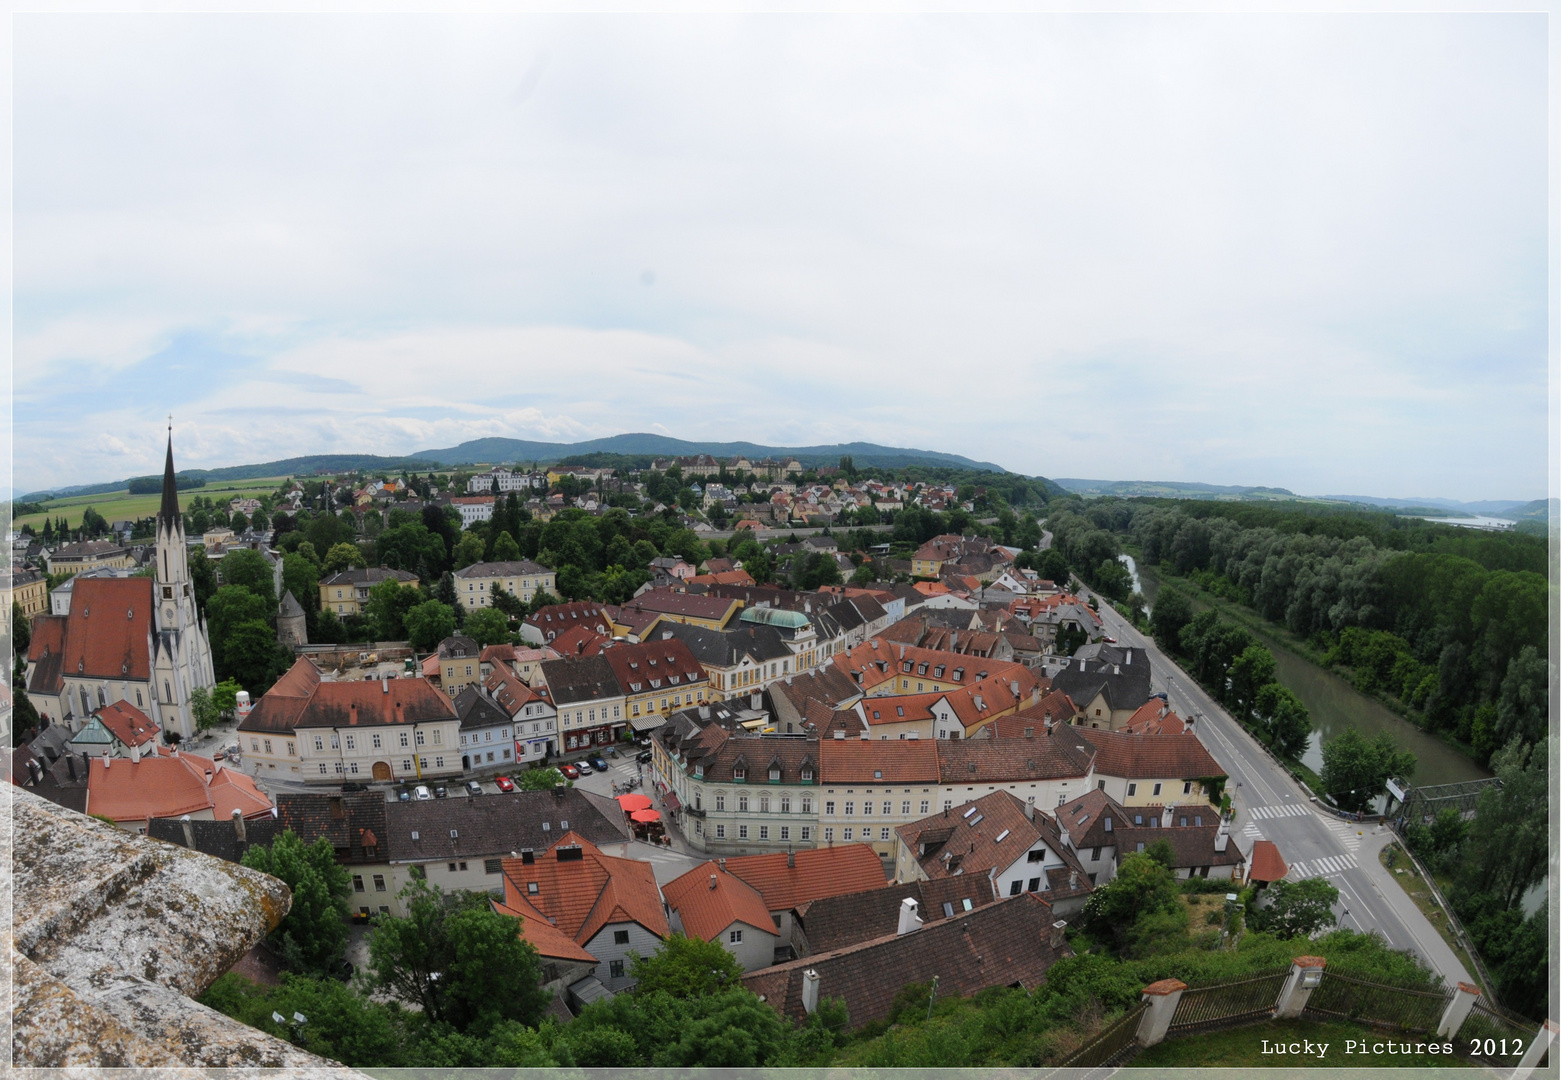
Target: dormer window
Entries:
(739, 772)
(774, 772)
(807, 774)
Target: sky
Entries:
(1288, 250)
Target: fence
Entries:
(1110, 1045)
(1492, 1034)
(1252, 998)
(1342, 997)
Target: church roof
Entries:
(290, 608)
(169, 511)
(105, 636)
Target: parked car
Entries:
(353, 785)
(570, 772)
(422, 793)
(441, 791)
(505, 783)
(643, 756)
(403, 795)
(599, 763)
(1109, 640)
(473, 787)
(217, 756)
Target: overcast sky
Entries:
(1300, 251)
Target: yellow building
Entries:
(522, 579)
(89, 555)
(346, 591)
(30, 590)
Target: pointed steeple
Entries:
(169, 512)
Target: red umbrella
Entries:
(633, 802)
(645, 817)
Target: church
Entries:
(139, 640)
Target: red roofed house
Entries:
(713, 904)
(1154, 717)
(139, 640)
(1267, 864)
(582, 908)
(1143, 770)
(792, 879)
(113, 730)
(130, 792)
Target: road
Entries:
(1271, 805)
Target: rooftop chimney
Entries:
(106, 761)
(791, 860)
(1057, 933)
(810, 991)
(1073, 879)
(712, 881)
(70, 764)
(238, 826)
(721, 863)
(135, 752)
(1221, 840)
(189, 832)
(909, 918)
(384, 683)
(1067, 839)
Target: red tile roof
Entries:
(127, 723)
(654, 665)
(1150, 757)
(300, 699)
(170, 786)
(579, 641)
(107, 634)
(1154, 717)
(817, 873)
(709, 899)
(1267, 863)
(580, 896)
(870, 761)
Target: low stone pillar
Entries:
(1544, 1039)
(1306, 972)
(1457, 1010)
(1163, 997)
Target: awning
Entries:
(648, 722)
(646, 816)
(670, 801)
(634, 801)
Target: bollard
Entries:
(1457, 1011)
(1163, 997)
(1306, 972)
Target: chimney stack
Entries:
(189, 832)
(135, 752)
(1221, 840)
(70, 764)
(1057, 933)
(238, 826)
(810, 991)
(791, 860)
(712, 881)
(1073, 879)
(910, 920)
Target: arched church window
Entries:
(167, 693)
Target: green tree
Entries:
(414, 548)
(1286, 721)
(1512, 822)
(464, 963)
(387, 607)
(469, 550)
(343, 1025)
(312, 937)
(430, 622)
(204, 709)
(21, 629)
(1297, 908)
(1248, 673)
(230, 606)
(301, 577)
(339, 557)
(505, 548)
(225, 697)
(686, 967)
(488, 626)
(1356, 770)
(250, 654)
(540, 780)
(1143, 886)
(203, 577)
(250, 570)
(1525, 696)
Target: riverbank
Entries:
(1333, 702)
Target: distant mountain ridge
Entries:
(1515, 509)
(863, 453)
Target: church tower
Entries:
(181, 651)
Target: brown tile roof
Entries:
(580, 896)
(540, 934)
(901, 709)
(170, 786)
(687, 605)
(1149, 757)
(580, 678)
(836, 922)
(1191, 845)
(556, 618)
(1085, 819)
(1003, 760)
(709, 899)
(1267, 863)
(974, 839)
(815, 873)
(349, 822)
(127, 723)
(869, 761)
(1055, 707)
(1008, 943)
(509, 691)
(654, 665)
(1154, 717)
(489, 826)
(579, 641)
(300, 699)
(107, 634)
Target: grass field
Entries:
(121, 505)
(1244, 1047)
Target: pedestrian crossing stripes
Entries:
(1288, 810)
(1252, 832)
(1345, 833)
(1333, 864)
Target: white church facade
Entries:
(139, 640)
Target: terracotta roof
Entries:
(723, 577)
(870, 761)
(580, 896)
(901, 709)
(127, 723)
(542, 935)
(837, 922)
(169, 786)
(975, 838)
(816, 873)
(653, 666)
(709, 899)
(556, 618)
(1086, 819)
(1267, 863)
(667, 602)
(1008, 943)
(999, 760)
(300, 699)
(506, 688)
(107, 634)
(1150, 757)
(1191, 845)
(1154, 717)
(1055, 707)
(578, 641)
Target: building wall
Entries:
(892, 805)
(757, 947)
(476, 592)
(599, 720)
(1049, 873)
(731, 810)
(351, 753)
(1153, 792)
(606, 947)
(1043, 794)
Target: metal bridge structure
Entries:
(1420, 804)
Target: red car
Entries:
(570, 772)
(505, 783)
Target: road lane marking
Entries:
(1291, 810)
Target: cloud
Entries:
(1293, 250)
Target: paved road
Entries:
(1271, 805)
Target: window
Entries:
(1034, 886)
(1132, 789)
(807, 832)
(492, 866)
(1187, 788)
(829, 836)
(849, 832)
(785, 832)
(739, 772)
(352, 744)
(785, 804)
(720, 832)
(406, 764)
(357, 883)
(420, 739)
(925, 806)
(452, 868)
(404, 739)
(620, 937)
(375, 740)
(532, 888)
(1157, 789)
(948, 803)
(615, 967)
(742, 832)
(883, 833)
(720, 801)
(829, 807)
(742, 804)
(1140, 845)
(905, 808)
(764, 832)
(807, 804)
(1035, 856)
(735, 937)
(268, 746)
(254, 744)
(764, 804)
(319, 743)
(335, 741)
(851, 807)
(353, 768)
(323, 769)
(291, 752)
(1016, 888)
(379, 882)
(1094, 854)
(807, 774)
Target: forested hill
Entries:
(863, 454)
(1449, 624)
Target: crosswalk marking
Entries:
(1288, 810)
(1252, 832)
(1345, 833)
(1325, 867)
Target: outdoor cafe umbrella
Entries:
(645, 817)
(633, 802)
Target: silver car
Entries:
(421, 793)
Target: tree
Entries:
(1143, 886)
(343, 1025)
(464, 963)
(1512, 823)
(339, 557)
(225, 697)
(1286, 721)
(312, 937)
(21, 629)
(250, 570)
(1356, 770)
(686, 967)
(505, 548)
(386, 609)
(1068, 640)
(429, 623)
(1253, 669)
(203, 577)
(1525, 695)
(230, 606)
(540, 780)
(301, 577)
(251, 655)
(1171, 613)
(469, 550)
(1297, 908)
(488, 626)
(414, 548)
(204, 709)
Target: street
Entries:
(1271, 805)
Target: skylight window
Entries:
(1001, 837)
(972, 810)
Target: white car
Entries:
(421, 793)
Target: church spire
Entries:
(169, 512)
